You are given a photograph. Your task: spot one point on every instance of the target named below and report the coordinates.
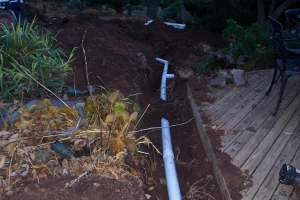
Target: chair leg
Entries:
(273, 80)
(282, 87)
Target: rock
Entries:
(218, 80)
(139, 55)
(65, 97)
(228, 78)
(220, 54)
(241, 60)
(229, 58)
(206, 48)
(185, 74)
(239, 77)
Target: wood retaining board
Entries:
(257, 142)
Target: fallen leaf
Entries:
(4, 133)
(2, 160)
(147, 196)
(210, 177)
(149, 181)
(214, 127)
(65, 164)
(109, 118)
(133, 116)
(43, 175)
(162, 181)
(32, 156)
(34, 175)
(25, 172)
(113, 96)
(96, 184)
(134, 172)
(43, 189)
(151, 188)
(15, 173)
(3, 143)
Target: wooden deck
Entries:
(257, 142)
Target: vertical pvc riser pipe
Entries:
(165, 75)
(168, 156)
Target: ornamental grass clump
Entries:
(29, 55)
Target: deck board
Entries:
(255, 140)
(252, 121)
(260, 125)
(236, 94)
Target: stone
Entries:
(206, 48)
(139, 55)
(218, 79)
(228, 78)
(241, 60)
(239, 79)
(219, 54)
(185, 74)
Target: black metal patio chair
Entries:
(292, 31)
(286, 66)
(292, 20)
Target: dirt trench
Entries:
(120, 54)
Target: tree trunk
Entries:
(261, 14)
(152, 8)
(280, 9)
(262, 21)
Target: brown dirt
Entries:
(111, 47)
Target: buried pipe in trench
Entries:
(168, 155)
(169, 163)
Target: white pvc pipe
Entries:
(168, 156)
(165, 75)
(175, 25)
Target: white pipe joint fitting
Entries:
(169, 163)
(165, 75)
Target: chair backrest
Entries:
(292, 20)
(278, 38)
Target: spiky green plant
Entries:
(28, 50)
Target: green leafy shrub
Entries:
(95, 3)
(212, 14)
(207, 66)
(76, 6)
(171, 10)
(120, 5)
(27, 51)
(245, 41)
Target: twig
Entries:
(74, 80)
(150, 172)
(177, 157)
(141, 116)
(103, 83)
(90, 167)
(191, 194)
(190, 164)
(85, 62)
(87, 77)
(159, 127)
